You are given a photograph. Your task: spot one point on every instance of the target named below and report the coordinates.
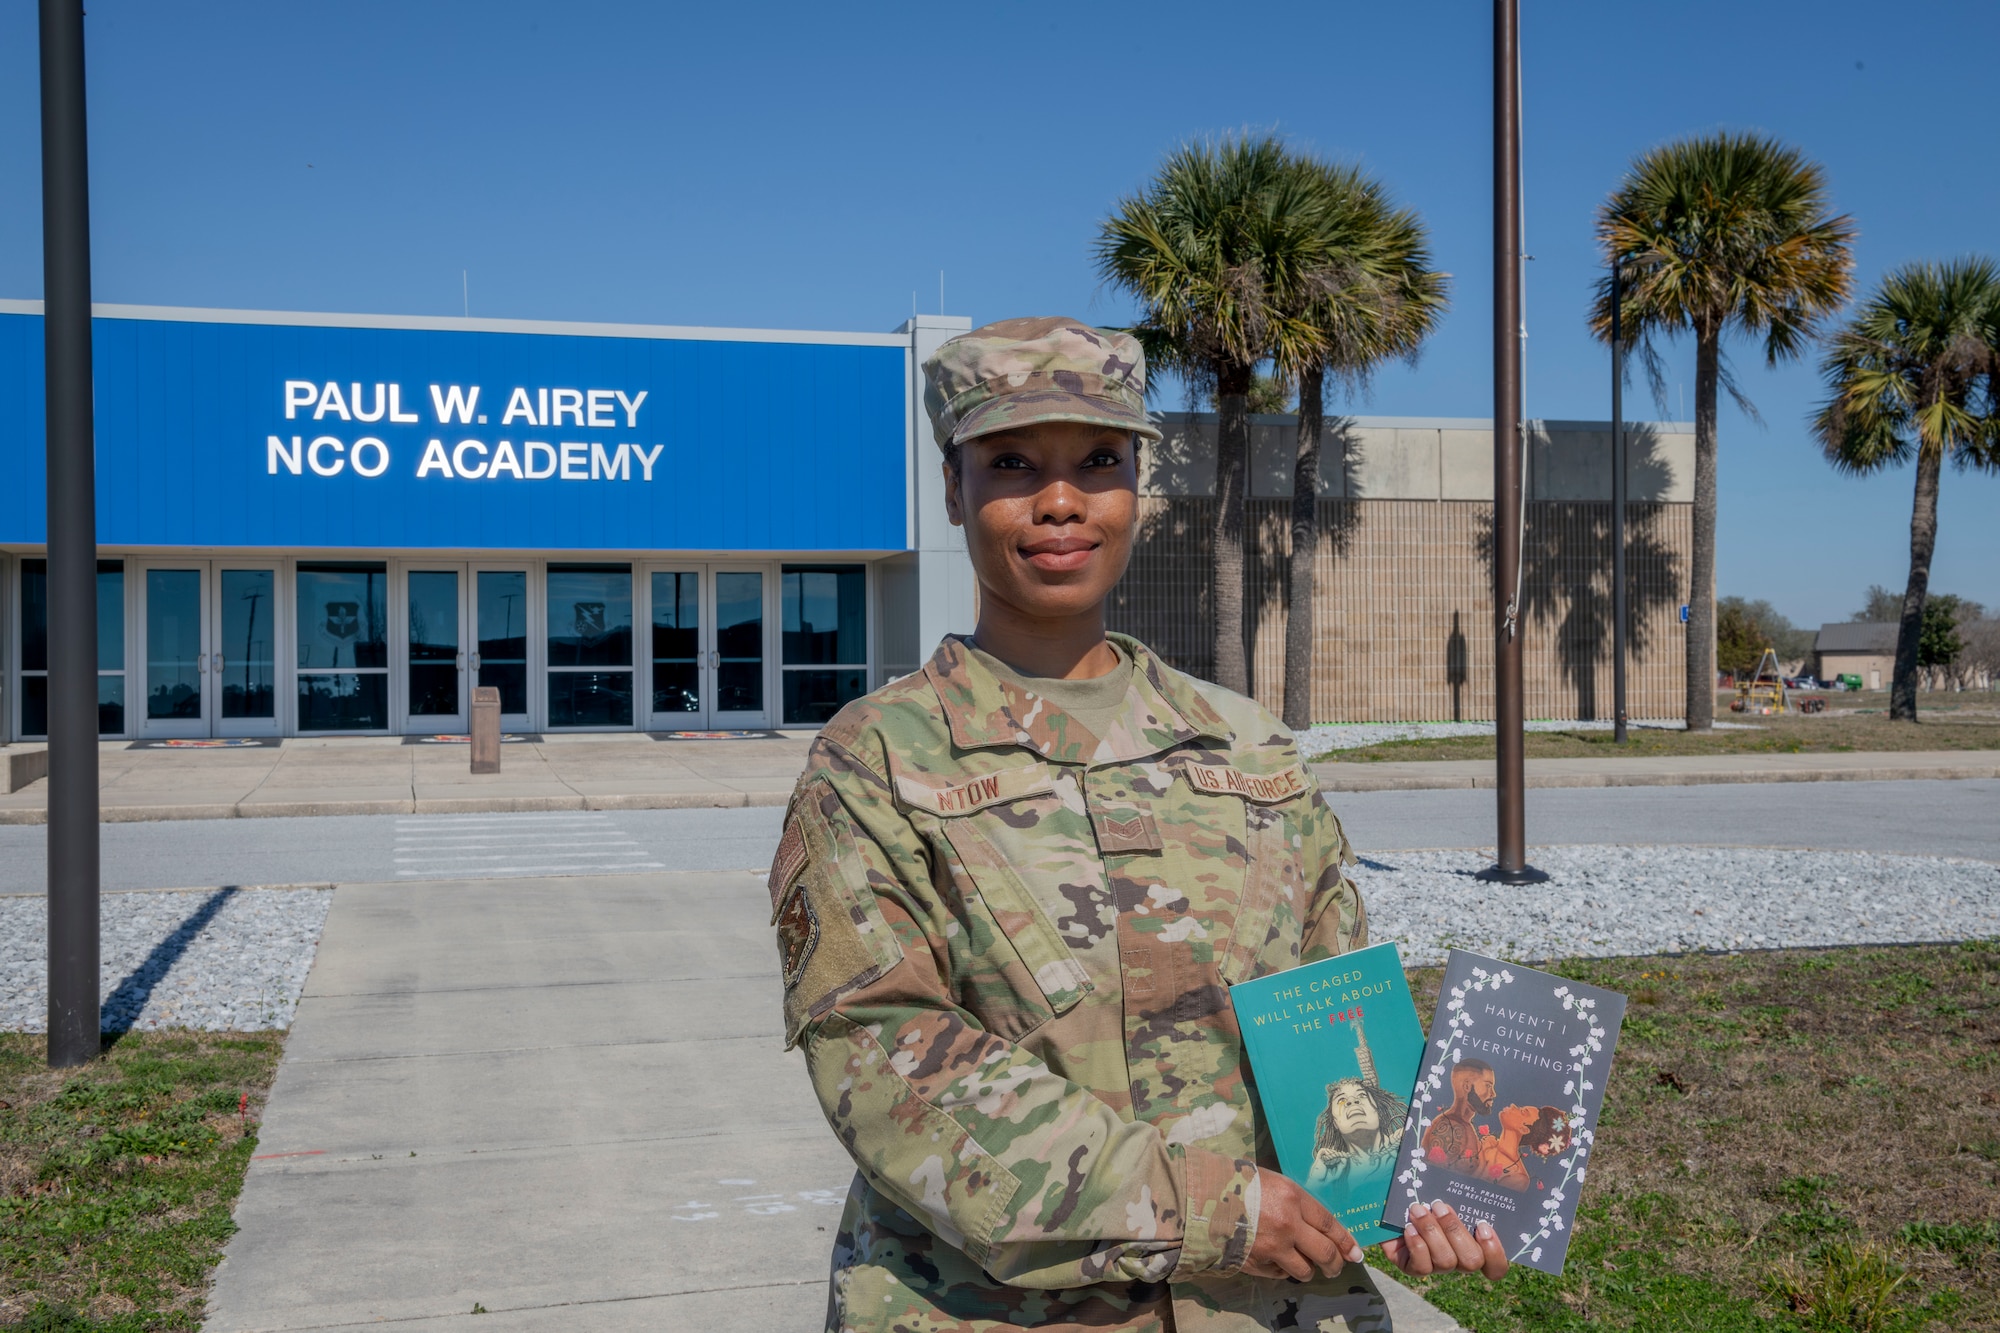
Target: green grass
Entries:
(117, 1179)
(1799, 1142)
(1950, 726)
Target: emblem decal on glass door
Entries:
(590, 621)
(343, 619)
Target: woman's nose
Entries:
(1059, 502)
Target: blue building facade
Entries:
(323, 524)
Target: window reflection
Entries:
(502, 613)
(739, 641)
(433, 668)
(247, 650)
(677, 642)
(173, 644)
(343, 647)
(343, 616)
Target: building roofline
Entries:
(453, 324)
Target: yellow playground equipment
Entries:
(1763, 691)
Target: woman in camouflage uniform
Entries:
(1010, 897)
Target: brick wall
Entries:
(1404, 609)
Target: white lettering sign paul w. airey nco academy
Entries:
(466, 459)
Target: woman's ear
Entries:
(954, 508)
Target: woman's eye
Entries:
(1010, 463)
(1104, 458)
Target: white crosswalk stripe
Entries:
(485, 846)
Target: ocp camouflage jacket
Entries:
(1006, 947)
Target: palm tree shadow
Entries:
(123, 1006)
(1566, 570)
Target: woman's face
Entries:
(1048, 512)
(1519, 1118)
(1353, 1110)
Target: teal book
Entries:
(1334, 1049)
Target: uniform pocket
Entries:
(1059, 978)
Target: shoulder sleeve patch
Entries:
(832, 935)
(1229, 780)
(798, 936)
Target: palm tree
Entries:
(1376, 299)
(1215, 249)
(1916, 374)
(1725, 233)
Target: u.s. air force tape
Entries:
(1227, 779)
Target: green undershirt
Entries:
(1095, 702)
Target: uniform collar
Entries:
(1162, 710)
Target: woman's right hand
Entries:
(1296, 1235)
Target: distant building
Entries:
(1855, 648)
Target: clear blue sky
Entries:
(814, 166)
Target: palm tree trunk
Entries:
(1232, 451)
(1923, 541)
(1701, 562)
(1305, 551)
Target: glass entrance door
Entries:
(679, 651)
(243, 655)
(708, 657)
(173, 613)
(435, 698)
(737, 658)
(500, 641)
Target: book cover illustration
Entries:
(1334, 1048)
(1503, 1114)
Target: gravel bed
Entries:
(1330, 736)
(1601, 901)
(220, 960)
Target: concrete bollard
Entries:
(485, 729)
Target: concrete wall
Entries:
(947, 602)
(1417, 458)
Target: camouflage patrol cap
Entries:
(1022, 371)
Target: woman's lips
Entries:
(1059, 555)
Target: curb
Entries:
(445, 805)
(1339, 777)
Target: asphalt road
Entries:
(1959, 818)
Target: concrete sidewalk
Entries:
(388, 775)
(384, 775)
(564, 1102)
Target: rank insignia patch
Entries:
(798, 936)
(1125, 829)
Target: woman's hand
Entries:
(1296, 1234)
(1436, 1241)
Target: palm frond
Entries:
(1721, 233)
(1916, 369)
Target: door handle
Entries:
(461, 661)
(200, 663)
(714, 658)
(218, 664)
(475, 661)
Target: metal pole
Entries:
(1511, 778)
(1619, 463)
(72, 541)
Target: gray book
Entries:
(1506, 1104)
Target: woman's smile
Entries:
(1058, 555)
